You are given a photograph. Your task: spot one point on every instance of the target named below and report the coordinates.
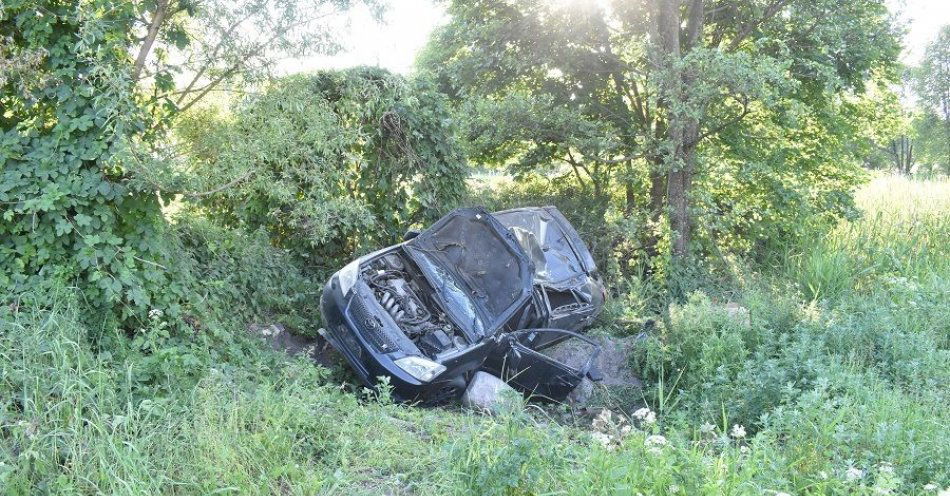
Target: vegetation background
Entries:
(163, 188)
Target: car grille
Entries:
(370, 326)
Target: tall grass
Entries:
(904, 232)
(839, 381)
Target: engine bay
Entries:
(406, 296)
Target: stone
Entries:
(738, 314)
(582, 394)
(489, 394)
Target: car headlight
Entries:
(420, 368)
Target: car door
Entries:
(520, 362)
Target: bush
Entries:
(241, 278)
(71, 206)
(329, 164)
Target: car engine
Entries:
(406, 297)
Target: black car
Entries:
(475, 291)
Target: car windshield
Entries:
(450, 292)
(555, 260)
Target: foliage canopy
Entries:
(658, 100)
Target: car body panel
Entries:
(458, 296)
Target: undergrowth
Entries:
(834, 380)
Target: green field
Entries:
(838, 385)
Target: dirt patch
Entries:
(613, 362)
(279, 338)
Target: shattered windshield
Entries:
(459, 304)
(545, 242)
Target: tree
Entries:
(87, 93)
(210, 44)
(933, 89)
(629, 92)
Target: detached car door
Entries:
(521, 362)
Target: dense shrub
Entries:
(70, 119)
(239, 277)
(842, 359)
(331, 163)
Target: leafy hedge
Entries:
(70, 120)
(331, 163)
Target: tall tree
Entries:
(191, 48)
(933, 86)
(627, 92)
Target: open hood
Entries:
(484, 261)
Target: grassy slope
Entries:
(842, 375)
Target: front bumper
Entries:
(366, 341)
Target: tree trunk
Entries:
(683, 131)
(657, 201)
(902, 152)
(680, 184)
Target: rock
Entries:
(487, 393)
(738, 314)
(582, 394)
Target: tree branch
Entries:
(210, 60)
(570, 160)
(718, 129)
(770, 11)
(161, 8)
(223, 187)
(694, 24)
(238, 64)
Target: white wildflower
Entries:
(155, 313)
(707, 428)
(737, 431)
(673, 489)
(930, 487)
(641, 413)
(655, 440)
(853, 474)
(625, 430)
(744, 449)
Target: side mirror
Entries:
(412, 233)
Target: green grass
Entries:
(840, 381)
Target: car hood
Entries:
(484, 260)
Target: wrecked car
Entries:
(475, 291)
